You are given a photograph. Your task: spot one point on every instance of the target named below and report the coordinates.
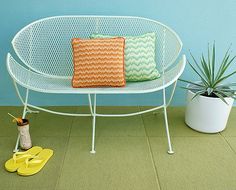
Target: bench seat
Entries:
(48, 84)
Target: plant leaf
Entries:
(209, 62)
(213, 64)
(226, 90)
(221, 97)
(203, 80)
(226, 57)
(205, 68)
(225, 93)
(198, 93)
(192, 89)
(225, 67)
(190, 82)
(199, 68)
(227, 84)
(223, 78)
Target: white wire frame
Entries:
(96, 92)
(92, 113)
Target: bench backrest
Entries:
(45, 45)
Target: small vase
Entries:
(25, 140)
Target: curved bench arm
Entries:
(173, 74)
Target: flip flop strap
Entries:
(29, 162)
(20, 155)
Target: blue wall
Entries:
(196, 22)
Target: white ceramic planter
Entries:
(206, 114)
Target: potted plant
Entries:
(210, 100)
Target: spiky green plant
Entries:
(211, 77)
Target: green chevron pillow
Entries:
(140, 62)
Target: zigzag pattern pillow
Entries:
(140, 62)
(98, 62)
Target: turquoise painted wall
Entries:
(196, 22)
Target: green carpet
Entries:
(131, 152)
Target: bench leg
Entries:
(170, 151)
(16, 149)
(94, 124)
(21, 99)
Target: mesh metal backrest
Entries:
(45, 45)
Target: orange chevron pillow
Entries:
(98, 62)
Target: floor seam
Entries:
(66, 150)
(151, 154)
(228, 143)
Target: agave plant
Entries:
(211, 77)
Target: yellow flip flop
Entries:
(18, 158)
(34, 164)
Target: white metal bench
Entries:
(44, 50)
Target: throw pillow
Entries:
(98, 62)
